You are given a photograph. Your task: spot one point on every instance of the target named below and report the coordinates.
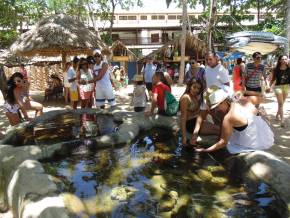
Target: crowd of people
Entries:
(209, 106)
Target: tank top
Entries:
(251, 138)
(105, 81)
(282, 76)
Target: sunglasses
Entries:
(97, 56)
(18, 81)
(258, 57)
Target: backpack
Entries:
(171, 104)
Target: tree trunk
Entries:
(212, 14)
(112, 18)
(258, 11)
(3, 82)
(288, 26)
(183, 42)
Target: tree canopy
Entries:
(16, 15)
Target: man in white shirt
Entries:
(215, 73)
(73, 89)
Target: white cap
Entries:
(97, 51)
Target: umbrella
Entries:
(252, 41)
(58, 35)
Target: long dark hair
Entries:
(190, 83)
(11, 86)
(160, 74)
(277, 68)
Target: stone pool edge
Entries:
(24, 184)
(20, 164)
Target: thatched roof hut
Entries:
(195, 48)
(57, 35)
(119, 50)
(9, 59)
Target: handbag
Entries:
(171, 104)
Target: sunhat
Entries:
(214, 96)
(138, 78)
(97, 51)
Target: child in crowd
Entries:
(139, 93)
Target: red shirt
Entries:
(160, 89)
(237, 78)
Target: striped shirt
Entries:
(253, 74)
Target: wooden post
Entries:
(63, 60)
(183, 42)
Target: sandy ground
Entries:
(282, 135)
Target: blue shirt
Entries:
(149, 71)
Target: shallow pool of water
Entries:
(154, 177)
(66, 127)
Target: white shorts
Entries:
(103, 94)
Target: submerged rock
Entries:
(169, 202)
(122, 193)
(73, 203)
(219, 181)
(204, 175)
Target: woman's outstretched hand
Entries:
(200, 150)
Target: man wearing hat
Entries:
(104, 88)
(241, 124)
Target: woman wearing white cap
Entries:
(104, 89)
(241, 126)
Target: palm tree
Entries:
(182, 39)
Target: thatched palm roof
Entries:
(55, 35)
(192, 43)
(9, 59)
(119, 49)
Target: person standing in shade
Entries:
(104, 88)
(254, 73)
(281, 80)
(148, 70)
(73, 89)
(26, 84)
(66, 83)
(84, 75)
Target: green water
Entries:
(67, 127)
(153, 177)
